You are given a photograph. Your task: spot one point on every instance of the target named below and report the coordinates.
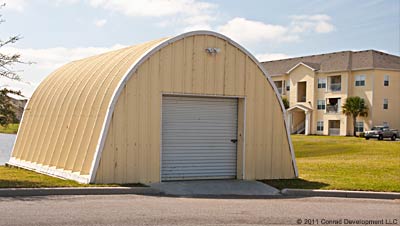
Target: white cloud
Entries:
(46, 61)
(197, 27)
(200, 14)
(189, 13)
(100, 23)
(154, 7)
(249, 31)
(68, 1)
(15, 5)
(324, 27)
(315, 17)
(271, 56)
(319, 23)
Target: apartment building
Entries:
(317, 86)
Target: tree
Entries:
(354, 107)
(7, 61)
(7, 108)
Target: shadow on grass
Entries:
(295, 183)
(49, 184)
(20, 183)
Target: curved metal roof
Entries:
(68, 108)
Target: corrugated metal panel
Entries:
(196, 138)
(62, 121)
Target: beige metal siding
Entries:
(132, 147)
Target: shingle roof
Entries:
(313, 65)
(338, 61)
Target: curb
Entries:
(340, 194)
(14, 192)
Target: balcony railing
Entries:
(334, 131)
(335, 87)
(332, 109)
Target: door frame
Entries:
(241, 129)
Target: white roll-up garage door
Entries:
(198, 138)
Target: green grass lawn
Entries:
(324, 162)
(11, 128)
(345, 163)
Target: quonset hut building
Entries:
(195, 106)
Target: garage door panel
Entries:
(194, 176)
(210, 172)
(196, 138)
(183, 163)
(190, 158)
(172, 151)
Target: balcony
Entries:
(335, 87)
(334, 127)
(332, 109)
(334, 131)
(333, 105)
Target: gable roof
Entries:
(304, 107)
(337, 61)
(311, 66)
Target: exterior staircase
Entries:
(299, 128)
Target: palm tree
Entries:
(355, 106)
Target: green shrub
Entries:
(285, 102)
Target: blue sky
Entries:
(57, 31)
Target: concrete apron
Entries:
(216, 188)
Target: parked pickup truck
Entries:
(381, 132)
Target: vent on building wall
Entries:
(213, 51)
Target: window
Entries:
(359, 126)
(386, 80)
(287, 85)
(278, 85)
(360, 80)
(320, 126)
(321, 83)
(321, 104)
(385, 104)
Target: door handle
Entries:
(234, 141)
